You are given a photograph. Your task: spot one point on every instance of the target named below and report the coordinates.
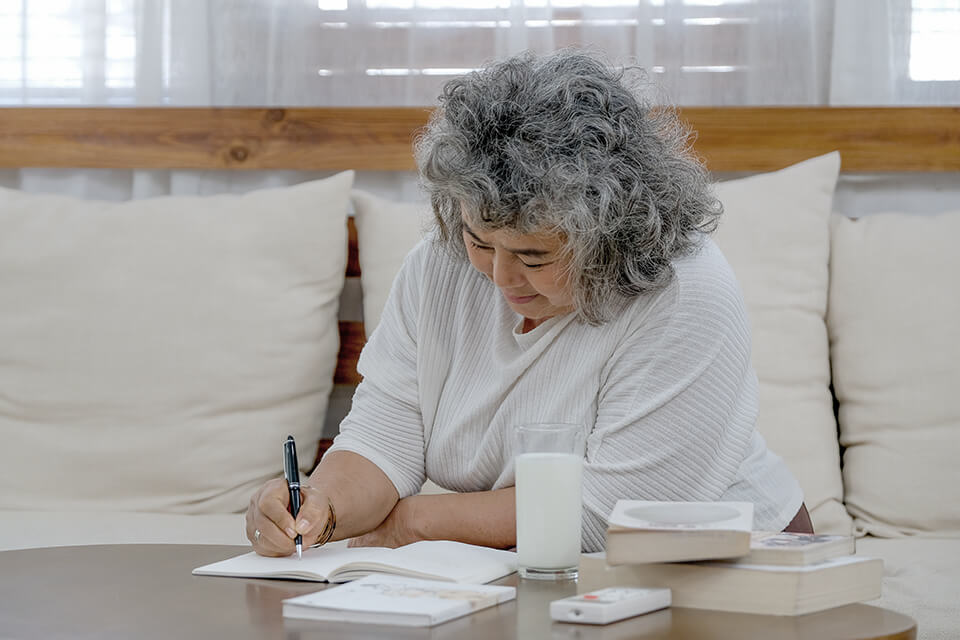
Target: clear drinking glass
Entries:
(549, 471)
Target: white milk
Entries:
(549, 505)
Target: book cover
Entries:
(442, 560)
(648, 531)
(396, 600)
(682, 516)
(796, 549)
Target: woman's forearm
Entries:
(485, 518)
(361, 493)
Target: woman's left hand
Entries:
(399, 528)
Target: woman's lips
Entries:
(520, 299)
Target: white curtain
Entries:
(888, 52)
(399, 52)
(395, 52)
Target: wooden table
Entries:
(147, 591)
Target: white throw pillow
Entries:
(776, 234)
(895, 345)
(157, 352)
(386, 232)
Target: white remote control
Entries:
(609, 605)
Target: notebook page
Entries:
(436, 559)
(317, 564)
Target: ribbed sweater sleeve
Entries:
(385, 424)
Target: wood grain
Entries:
(353, 251)
(352, 334)
(209, 138)
(729, 138)
(352, 339)
(869, 139)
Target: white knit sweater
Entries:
(665, 391)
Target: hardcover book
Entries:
(396, 601)
(441, 560)
(648, 531)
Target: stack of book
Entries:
(708, 556)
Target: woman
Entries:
(570, 278)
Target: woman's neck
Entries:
(529, 324)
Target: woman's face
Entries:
(527, 269)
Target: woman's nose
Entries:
(505, 273)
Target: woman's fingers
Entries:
(271, 541)
(313, 515)
(274, 503)
(269, 516)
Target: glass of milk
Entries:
(549, 470)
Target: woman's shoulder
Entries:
(704, 275)
(709, 295)
(702, 287)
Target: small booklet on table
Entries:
(396, 601)
(441, 560)
(796, 549)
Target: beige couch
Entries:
(870, 308)
(157, 352)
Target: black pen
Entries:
(292, 473)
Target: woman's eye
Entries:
(483, 247)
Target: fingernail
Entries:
(290, 532)
(303, 526)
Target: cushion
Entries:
(776, 235)
(157, 352)
(895, 344)
(386, 232)
(31, 529)
(921, 579)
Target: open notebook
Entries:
(429, 559)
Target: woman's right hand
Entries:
(269, 513)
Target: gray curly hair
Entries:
(567, 144)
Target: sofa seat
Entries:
(920, 580)
(27, 529)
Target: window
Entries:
(935, 41)
(56, 52)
